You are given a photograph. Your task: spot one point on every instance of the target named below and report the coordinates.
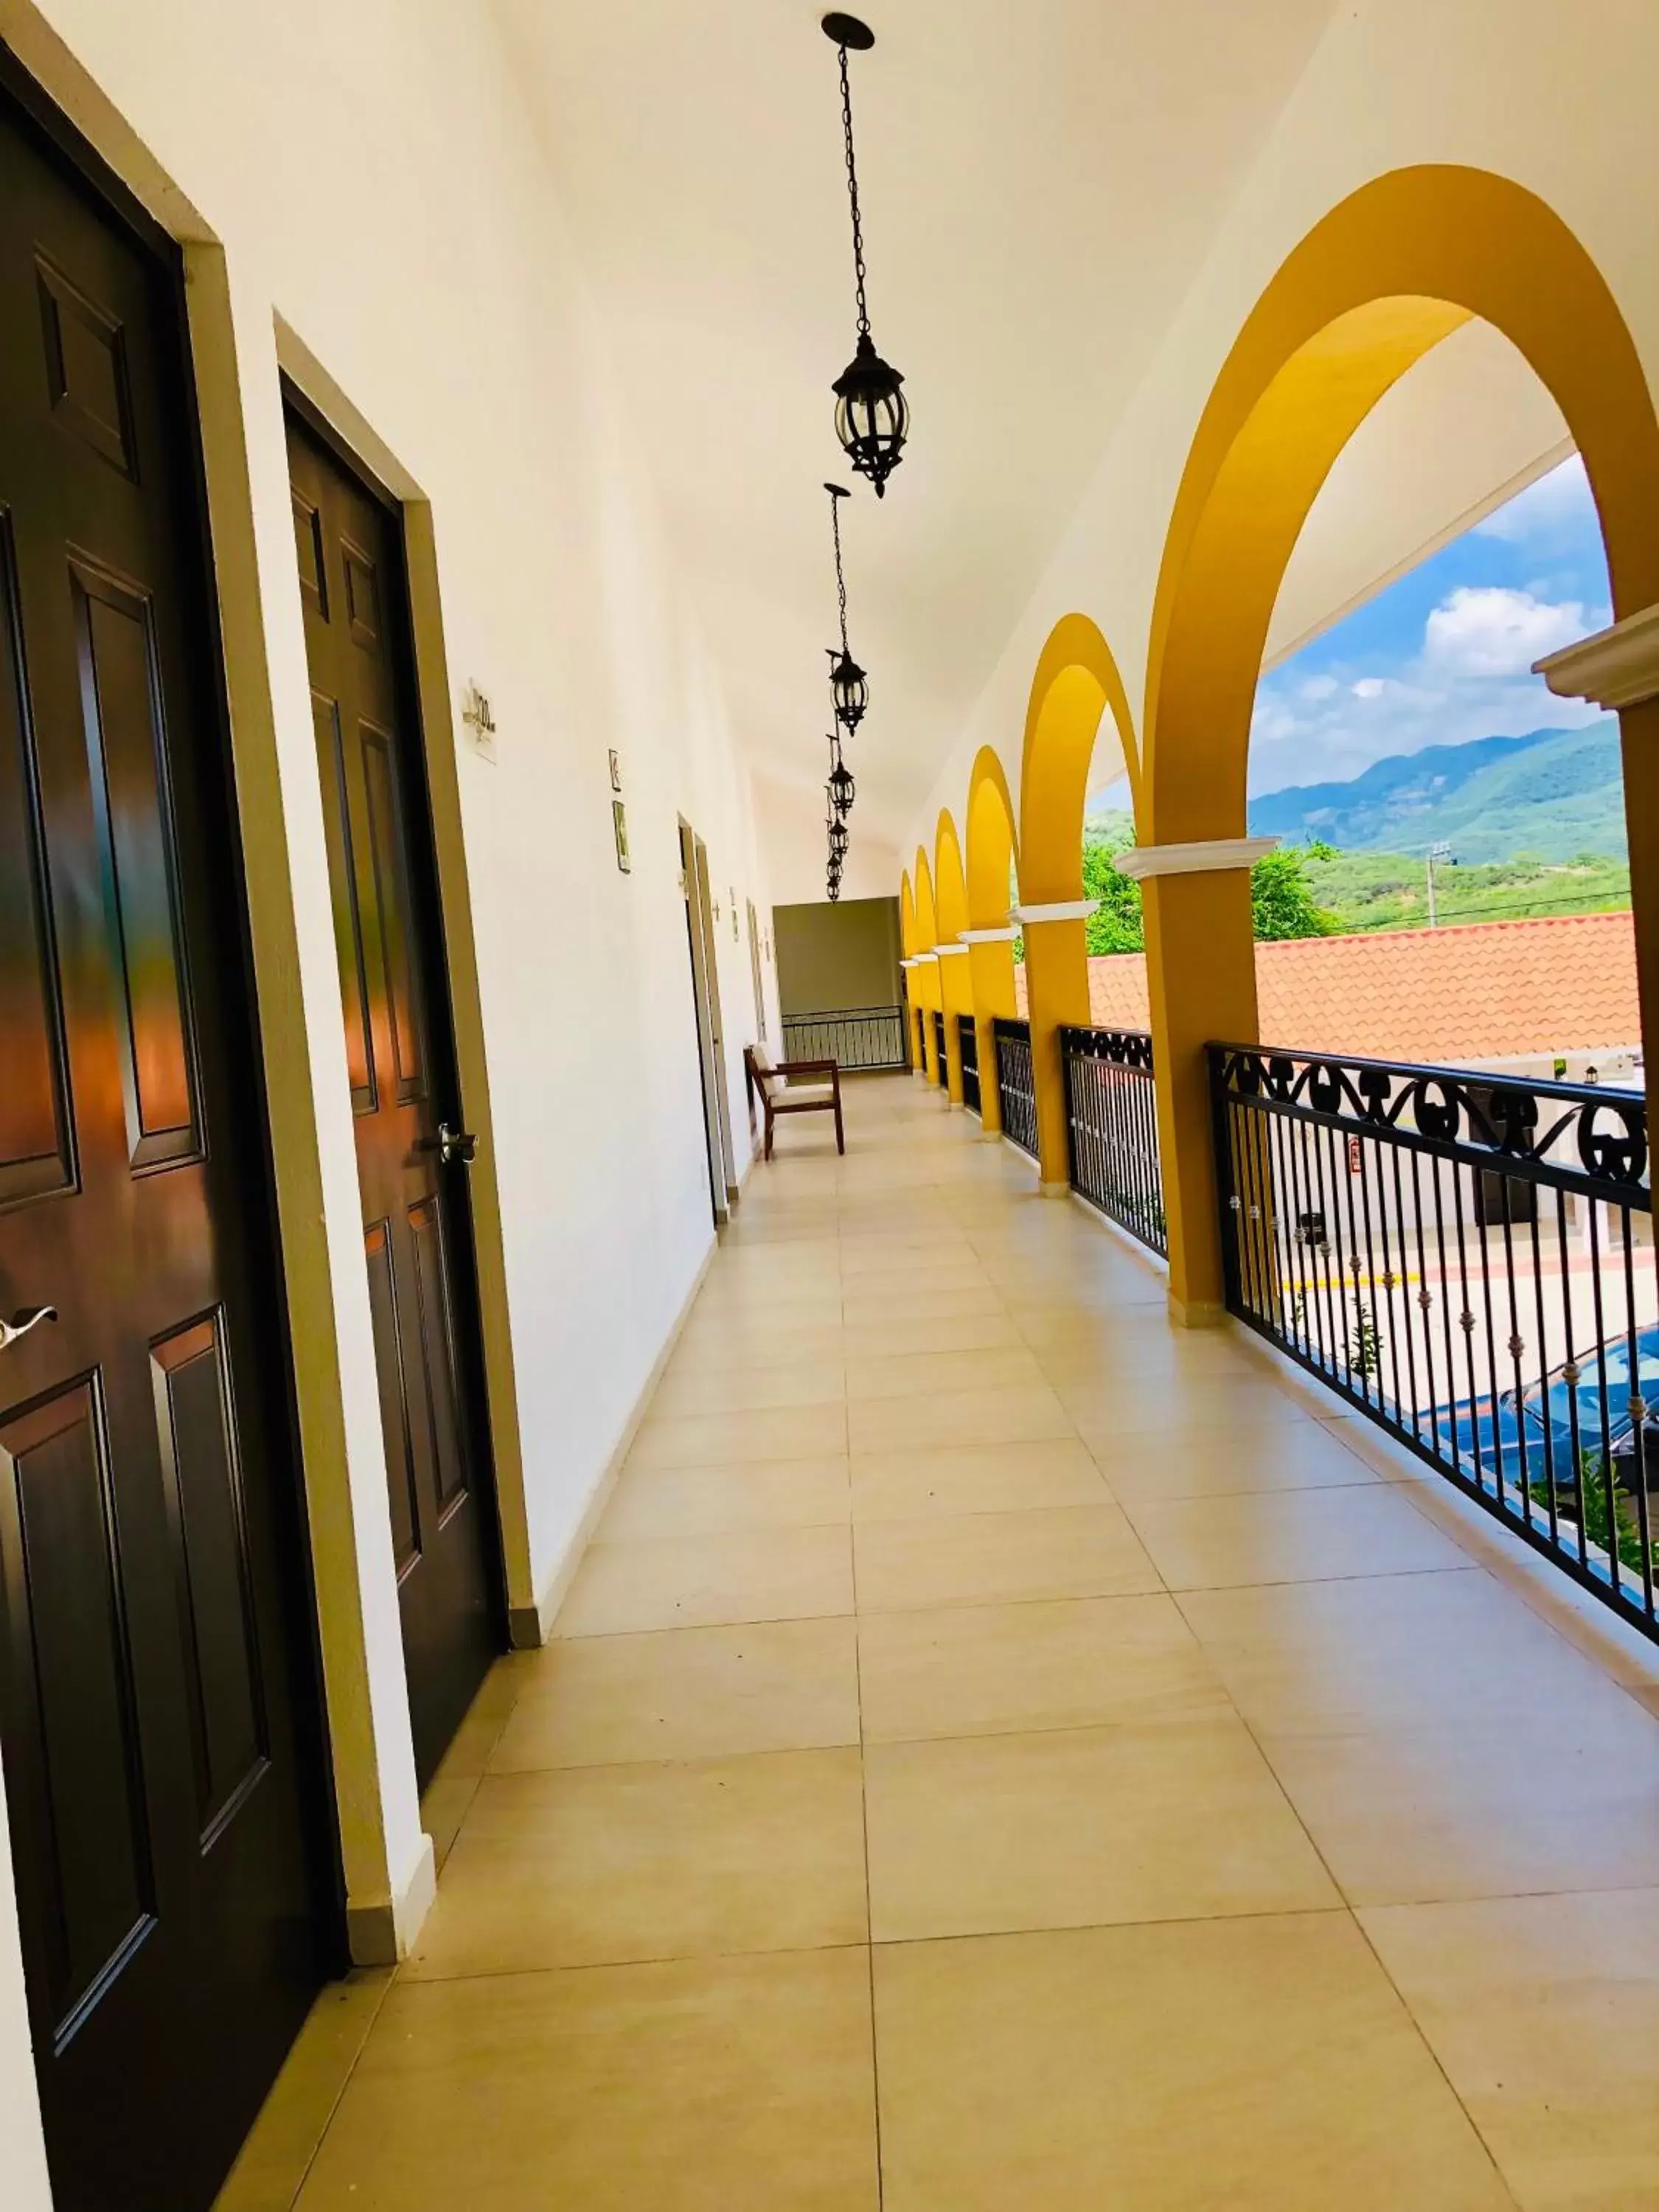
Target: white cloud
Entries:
(1489, 629)
(1368, 687)
(1318, 688)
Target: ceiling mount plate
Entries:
(849, 31)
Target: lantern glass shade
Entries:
(872, 415)
(841, 788)
(849, 690)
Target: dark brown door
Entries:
(163, 1760)
(400, 1063)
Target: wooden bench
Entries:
(773, 1081)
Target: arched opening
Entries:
(1387, 274)
(955, 985)
(1071, 740)
(925, 977)
(993, 874)
(909, 941)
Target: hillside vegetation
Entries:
(1554, 794)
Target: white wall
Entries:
(1559, 100)
(375, 184)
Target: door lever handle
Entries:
(22, 1323)
(456, 1144)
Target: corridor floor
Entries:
(1002, 1754)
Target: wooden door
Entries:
(411, 1153)
(158, 1704)
(711, 978)
(702, 951)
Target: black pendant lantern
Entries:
(841, 786)
(872, 416)
(849, 686)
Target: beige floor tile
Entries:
(904, 1486)
(1067, 1663)
(874, 1308)
(273, 2160)
(1258, 2065)
(988, 1559)
(1541, 1801)
(1286, 1536)
(1129, 1402)
(938, 1374)
(928, 1331)
(693, 1386)
(1017, 1414)
(443, 1808)
(682, 2087)
(469, 1751)
(599, 1865)
(673, 1501)
(1392, 1651)
(688, 1693)
(886, 1257)
(1545, 2013)
(740, 1439)
(699, 1581)
(753, 1341)
(1075, 1828)
(1212, 1458)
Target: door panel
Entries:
(416, 1227)
(158, 1708)
(71, 1655)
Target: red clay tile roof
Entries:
(1492, 990)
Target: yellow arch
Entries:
(924, 979)
(907, 916)
(909, 941)
(1385, 276)
(950, 883)
(955, 985)
(992, 848)
(992, 865)
(1076, 680)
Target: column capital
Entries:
(1616, 667)
(1204, 856)
(1056, 910)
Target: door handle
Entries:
(22, 1323)
(456, 1144)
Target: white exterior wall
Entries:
(1559, 100)
(376, 185)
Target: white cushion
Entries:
(805, 1094)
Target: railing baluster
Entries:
(1338, 1177)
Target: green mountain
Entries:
(1553, 794)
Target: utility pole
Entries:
(1443, 854)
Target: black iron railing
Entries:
(857, 1037)
(967, 1043)
(1015, 1090)
(1112, 1127)
(1469, 1262)
(941, 1066)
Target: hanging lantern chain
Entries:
(835, 498)
(853, 192)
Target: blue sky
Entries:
(1444, 654)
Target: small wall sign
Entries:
(619, 824)
(616, 770)
(479, 723)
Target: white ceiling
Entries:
(1039, 182)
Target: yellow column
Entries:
(957, 989)
(991, 975)
(912, 1027)
(1057, 997)
(925, 980)
(1200, 975)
